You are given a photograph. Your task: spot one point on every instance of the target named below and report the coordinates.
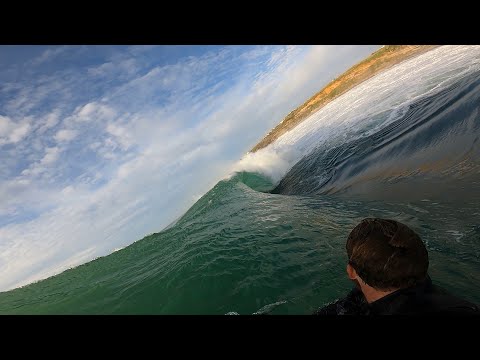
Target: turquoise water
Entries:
(253, 245)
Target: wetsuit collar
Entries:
(390, 303)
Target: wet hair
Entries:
(386, 254)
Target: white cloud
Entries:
(48, 55)
(102, 70)
(23, 193)
(119, 70)
(20, 132)
(34, 92)
(121, 134)
(65, 135)
(86, 110)
(51, 155)
(11, 132)
(94, 111)
(5, 126)
(49, 121)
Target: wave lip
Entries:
(271, 162)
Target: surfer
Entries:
(388, 263)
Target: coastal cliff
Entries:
(380, 60)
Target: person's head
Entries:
(385, 255)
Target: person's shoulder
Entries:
(352, 304)
(329, 309)
(444, 302)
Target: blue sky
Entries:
(101, 145)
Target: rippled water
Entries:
(271, 238)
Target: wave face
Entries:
(271, 237)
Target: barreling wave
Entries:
(430, 149)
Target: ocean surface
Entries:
(270, 237)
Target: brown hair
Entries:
(386, 254)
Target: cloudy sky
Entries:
(101, 145)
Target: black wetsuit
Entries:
(421, 299)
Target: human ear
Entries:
(352, 274)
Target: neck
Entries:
(371, 294)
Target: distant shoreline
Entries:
(381, 60)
